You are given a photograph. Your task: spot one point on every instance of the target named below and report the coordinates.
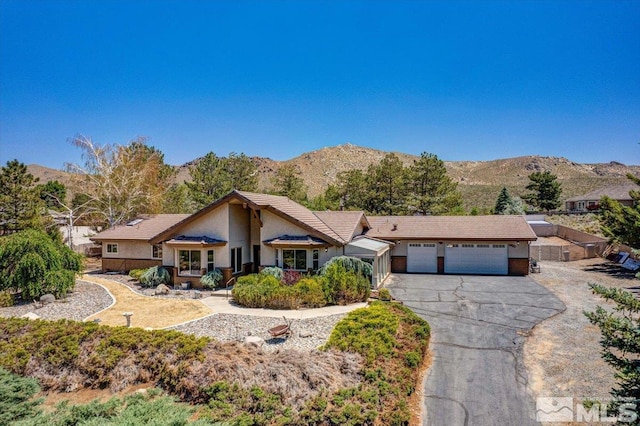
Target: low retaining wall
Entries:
(579, 245)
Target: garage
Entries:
(422, 258)
(487, 259)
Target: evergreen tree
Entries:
(20, 203)
(53, 193)
(620, 341)
(177, 200)
(287, 182)
(386, 185)
(545, 189)
(621, 224)
(213, 177)
(351, 189)
(208, 180)
(503, 202)
(431, 190)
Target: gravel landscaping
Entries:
(228, 328)
(563, 353)
(144, 291)
(86, 299)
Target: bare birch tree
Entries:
(119, 182)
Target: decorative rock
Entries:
(47, 298)
(31, 316)
(162, 289)
(254, 340)
(304, 334)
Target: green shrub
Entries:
(16, 397)
(33, 264)
(311, 293)
(137, 273)
(351, 264)
(384, 294)
(273, 271)
(6, 299)
(154, 276)
(253, 291)
(211, 279)
(342, 286)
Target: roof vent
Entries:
(134, 222)
(395, 227)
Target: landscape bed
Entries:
(365, 374)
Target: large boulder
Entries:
(45, 299)
(162, 289)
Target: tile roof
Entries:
(492, 228)
(617, 192)
(344, 223)
(145, 229)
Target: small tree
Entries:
(620, 341)
(545, 189)
(32, 263)
(619, 222)
(506, 204)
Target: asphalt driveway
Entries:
(478, 325)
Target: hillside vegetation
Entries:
(479, 182)
(365, 375)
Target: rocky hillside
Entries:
(479, 181)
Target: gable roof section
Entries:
(460, 228)
(344, 223)
(279, 205)
(617, 192)
(144, 230)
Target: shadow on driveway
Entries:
(479, 325)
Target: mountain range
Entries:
(479, 182)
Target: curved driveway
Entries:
(478, 325)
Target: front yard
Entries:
(563, 353)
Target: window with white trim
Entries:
(294, 259)
(189, 263)
(236, 259)
(156, 251)
(210, 261)
(499, 246)
(315, 259)
(112, 248)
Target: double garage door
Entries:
(489, 259)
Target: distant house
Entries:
(243, 232)
(591, 200)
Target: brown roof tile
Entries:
(494, 228)
(149, 227)
(617, 192)
(344, 223)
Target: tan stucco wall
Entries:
(128, 250)
(239, 232)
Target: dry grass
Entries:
(147, 311)
(563, 353)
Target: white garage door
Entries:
(490, 259)
(422, 257)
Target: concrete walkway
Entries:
(220, 305)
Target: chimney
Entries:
(395, 227)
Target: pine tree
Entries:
(20, 203)
(288, 183)
(545, 189)
(620, 341)
(622, 223)
(503, 202)
(432, 191)
(386, 186)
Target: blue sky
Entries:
(465, 80)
